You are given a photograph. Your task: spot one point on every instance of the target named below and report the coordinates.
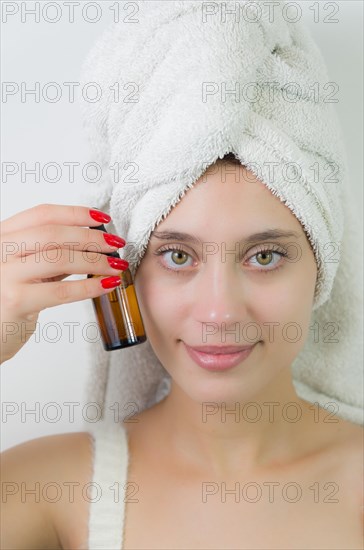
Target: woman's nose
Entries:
(219, 294)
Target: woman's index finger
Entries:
(45, 214)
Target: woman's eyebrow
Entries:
(268, 234)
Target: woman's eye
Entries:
(177, 257)
(266, 258)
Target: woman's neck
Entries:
(272, 429)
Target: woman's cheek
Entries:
(156, 305)
(282, 314)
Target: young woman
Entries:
(193, 473)
(179, 84)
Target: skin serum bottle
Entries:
(118, 313)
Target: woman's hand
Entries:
(40, 247)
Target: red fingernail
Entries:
(110, 282)
(113, 240)
(117, 263)
(100, 216)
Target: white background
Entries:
(55, 372)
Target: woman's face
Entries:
(220, 291)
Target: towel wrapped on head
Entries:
(181, 86)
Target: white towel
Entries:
(164, 125)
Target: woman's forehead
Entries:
(234, 197)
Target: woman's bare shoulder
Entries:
(347, 460)
(56, 455)
(72, 455)
(49, 473)
(342, 445)
(353, 455)
(350, 437)
(45, 453)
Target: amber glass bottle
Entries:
(118, 312)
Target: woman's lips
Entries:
(218, 361)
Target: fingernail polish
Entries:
(99, 216)
(110, 282)
(114, 240)
(117, 263)
(118, 312)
